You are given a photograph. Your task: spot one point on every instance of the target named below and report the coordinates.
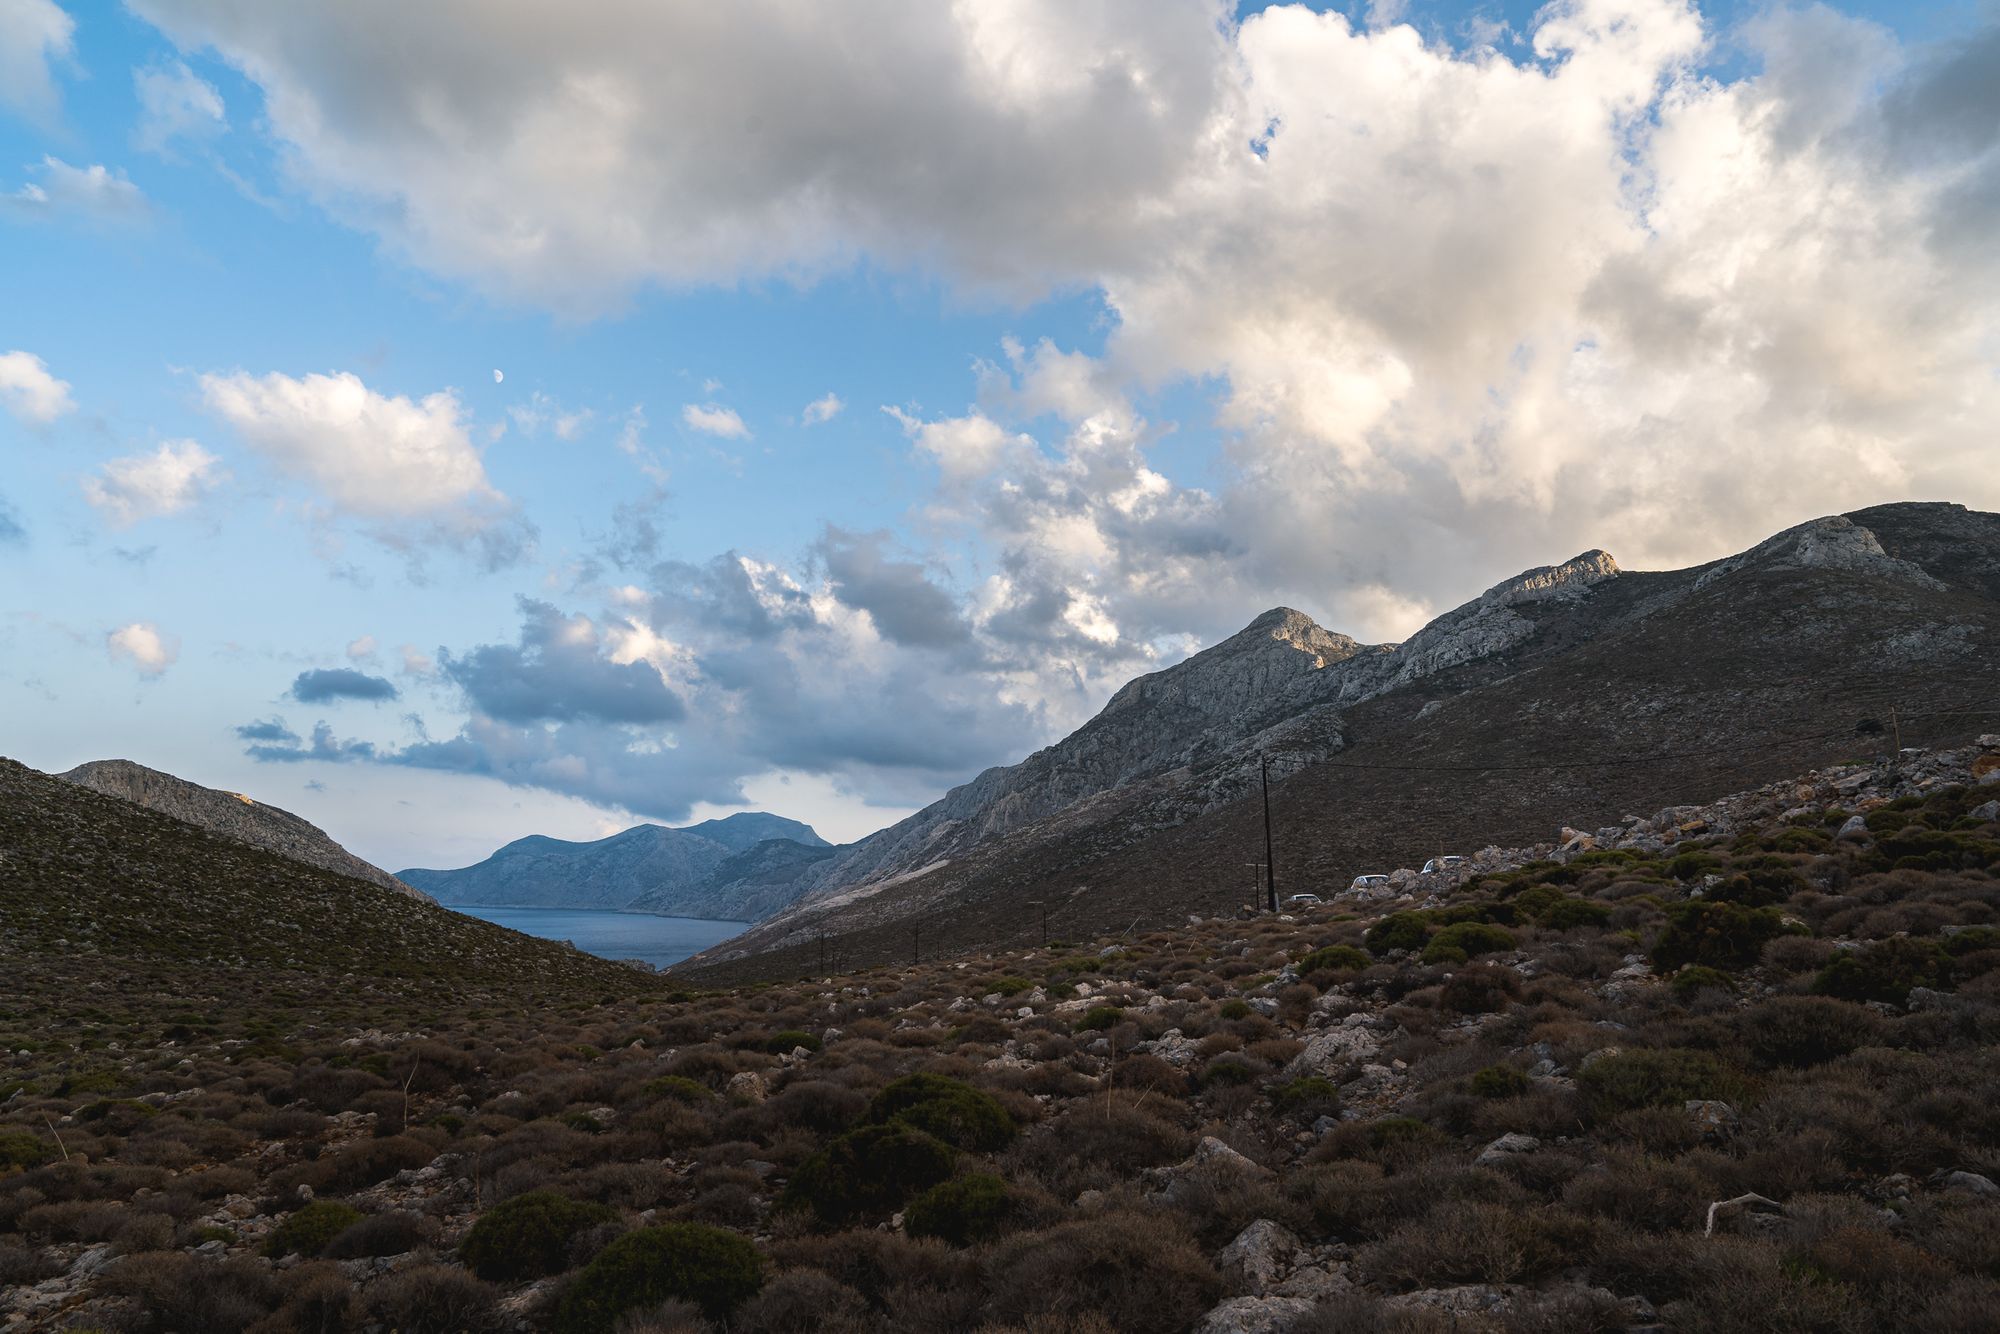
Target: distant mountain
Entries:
(230, 814)
(1571, 692)
(739, 868)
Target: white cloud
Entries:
(96, 193)
(408, 466)
(175, 103)
(34, 34)
(362, 649)
(143, 486)
(1465, 310)
(142, 644)
(713, 419)
(540, 410)
(30, 392)
(823, 409)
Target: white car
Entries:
(1370, 882)
(1305, 900)
(1436, 864)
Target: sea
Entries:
(612, 935)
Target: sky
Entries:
(458, 421)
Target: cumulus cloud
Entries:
(142, 645)
(323, 685)
(34, 35)
(175, 103)
(28, 391)
(822, 409)
(268, 731)
(563, 669)
(713, 419)
(362, 649)
(408, 468)
(97, 194)
(170, 479)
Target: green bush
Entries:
(1099, 1017)
(1717, 935)
(1011, 986)
(781, 1043)
(307, 1231)
(965, 1210)
(1233, 1009)
(1885, 971)
(869, 1171)
(1569, 914)
(679, 1088)
(1696, 976)
(1690, 865)
(1499, 1081)
(19, 1148)
(1397, 931)
(1226, 1071)
(529, 1235)
(1332, 959)
(1654, 1077)
(1465, 940)
(948, 1109)
(1312, 1093)
(714, 1269)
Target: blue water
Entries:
(612, 935)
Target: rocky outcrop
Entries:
(231, 814)
(736, 869)
(1833, 543)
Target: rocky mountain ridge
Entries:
(231, 814)
(1546, 690)
(739, 868)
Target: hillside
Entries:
(97, 891)
(712, 870)
(1730, 1071)
(1571, 691)
(231, 814)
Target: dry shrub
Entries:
(187, 1292)
(1135, 1270)
(875, 1264)
(1655, 1194)
(1102, 1141)
(1475, 1243)
(434, 1299)
(805, 1301)
(381, 1234)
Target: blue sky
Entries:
(1096, 384)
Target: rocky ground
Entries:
(1727, 1067)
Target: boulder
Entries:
(1505, 1149)
(1261, 1256)
(1988, 811)
(1855, 829)
(1332, 1048)
(1969, 1183)
(1713, 1118)
(1256, 1315)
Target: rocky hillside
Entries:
(230, 814)
(1726, 1068)
(714, 869)
(1577, 688)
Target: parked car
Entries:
(1305, 900)
(1436, 864)
(1370, 882)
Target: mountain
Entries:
(230, 814)
(1577, 687)
(734, 869)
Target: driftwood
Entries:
(1724, 1210)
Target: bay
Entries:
(612, 935)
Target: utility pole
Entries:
(1256, 881)
(1897, 725)
(916, 944)
(1270, 863)
(822, 954)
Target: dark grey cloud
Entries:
(323, 685)
(720, 598)
(898, 595)
(558, 672)
(324, 745)
(271, 731)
